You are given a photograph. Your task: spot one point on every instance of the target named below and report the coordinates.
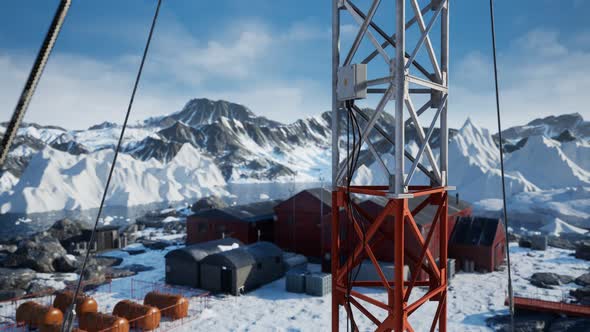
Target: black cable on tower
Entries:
(510, 291)
(68, 319)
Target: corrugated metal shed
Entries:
(196, 252)
(183, 265)
(242, 269)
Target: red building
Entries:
(424, 218)
(248, 223)
(480, 240)
(298, 221)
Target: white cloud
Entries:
(78, 91)
(539, 76)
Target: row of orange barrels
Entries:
(126, 314)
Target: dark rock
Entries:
(549, 279)
(583, 280)
(66, 229)
(562, 243)
(37, 253)
(138, 268)
(39, 288)
(523, 322)
(582, 294)
(175, 227)
(512, 237)
(9, 294)
(209, 202)
(108, 261)
(156, 244)
(583, 250)
(115, 272)
(135, 251)
(66, 263)
(570, 324)
(15, 278)
(8, 248)
(524, 243)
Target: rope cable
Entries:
(34, 77)
(67, 324)
(505, 213)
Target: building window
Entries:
(220, 228)
(202, 227)
(259, 266)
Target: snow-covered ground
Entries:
(472, 298)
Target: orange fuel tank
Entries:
(39, 316)
(143, 317)
(84, 304)
(97, 321)
(171, 305)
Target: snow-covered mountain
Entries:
(57, 180)
(564, 127)
(230, 140)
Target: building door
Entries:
(226, 279)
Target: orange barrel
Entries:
(56, 328)
(84, 303)
(171, 305)
(97, 321)
(143, 317)
(38, 316)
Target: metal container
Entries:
(97, 321)
(538, 242)
(38, 316)
(295, 281)
(143, 317)
(318, 284)
(171, 305)
(84, 304)
(451, 268)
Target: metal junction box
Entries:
(352, 82)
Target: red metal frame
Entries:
(345, 259)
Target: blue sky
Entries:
(274, 57)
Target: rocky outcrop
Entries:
(209, 202)
(38, 253)
(582, 295)
(523, 322)
(583, 250)
(569, 325)
(583, 280)
(67, 229)
(15, 278)
(549, 279)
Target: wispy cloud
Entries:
(237, 64)
(539, 76)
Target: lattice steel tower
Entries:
(401, 78)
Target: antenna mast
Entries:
(397, 77)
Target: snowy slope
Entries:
(7, 181)
(578, 151)
(542, 207)
(57, 180)
(546, 165)
(474, 164)
(558, 227)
